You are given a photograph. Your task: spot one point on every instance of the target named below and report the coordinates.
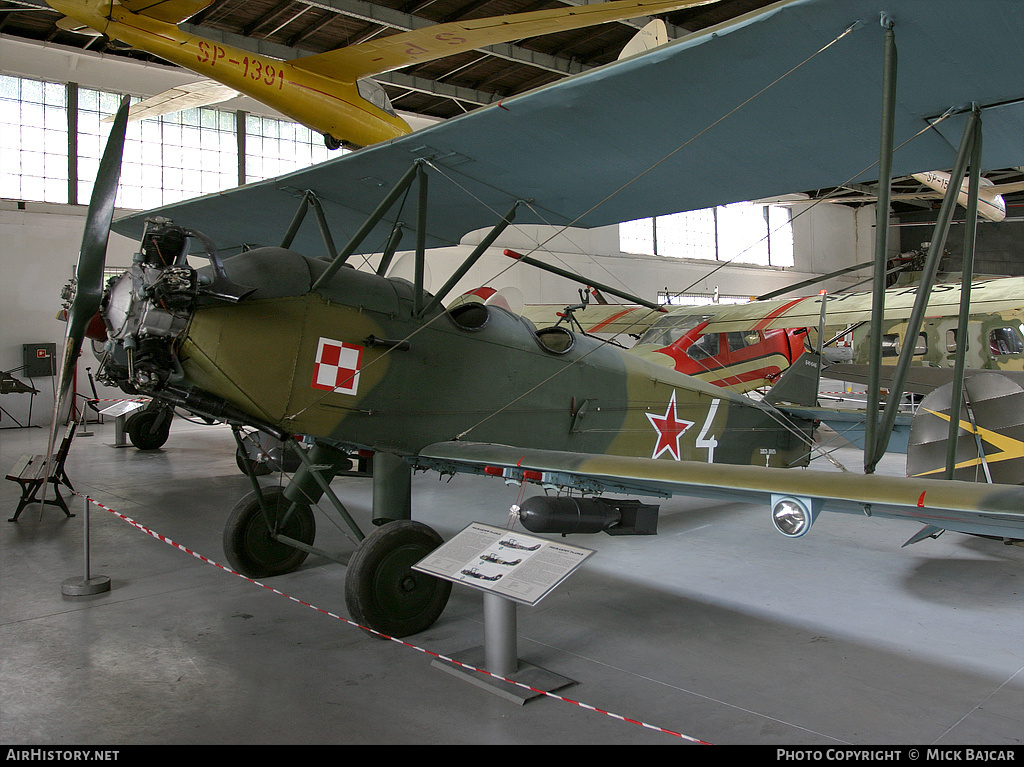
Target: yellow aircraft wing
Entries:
(989, 295)
(596, 318)
(188, 96)
(440, 40)
(171, 11)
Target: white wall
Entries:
(38, 252)
(39, 242)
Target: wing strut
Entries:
(890, 66)
(310, 200)
(381, 210)
(972, 132)
(967, 277)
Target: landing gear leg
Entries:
(271, 530)
(392, 488)
(257, 534)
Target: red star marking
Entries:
(669, 429)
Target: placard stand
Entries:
(120, 413)
(499, 656)
(509, 569)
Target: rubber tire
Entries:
(383, 593)
(139, 428)
(247, 542)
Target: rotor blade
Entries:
(91, 258)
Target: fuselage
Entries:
(990, 204)
(353, 363)
(332, 107)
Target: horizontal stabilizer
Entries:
(69, 24)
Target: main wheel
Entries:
(148, 429)
(382, 590)
(248, 544)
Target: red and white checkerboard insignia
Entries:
(337, 366)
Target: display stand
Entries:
(509, 569)
(499, 656)
(120, 413)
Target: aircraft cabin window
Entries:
(951, 341)
(666, 332)
(1003, 341)
(704, 347)
(739, 341)
(922, 345)
(890, 345)
(375, 94)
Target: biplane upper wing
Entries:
(786, 98)
(987, 295)
(967, 507)
(596, 318)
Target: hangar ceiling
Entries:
(442, 88)
(446, 87)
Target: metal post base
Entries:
(498, 656)
(538, 679)
(82, 587)
(88, 584)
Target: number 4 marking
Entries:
(703, 440)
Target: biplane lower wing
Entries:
(966, 507)
(650, 135)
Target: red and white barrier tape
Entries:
(169, 542)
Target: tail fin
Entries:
(651, 36)
(799, 384)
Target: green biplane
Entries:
(270, 336)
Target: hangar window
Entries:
(33, 140)
(743, 232)
(274, 147)
(52, 134)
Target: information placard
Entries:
(519, 567)
(124, 407)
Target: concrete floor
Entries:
(718, 628)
